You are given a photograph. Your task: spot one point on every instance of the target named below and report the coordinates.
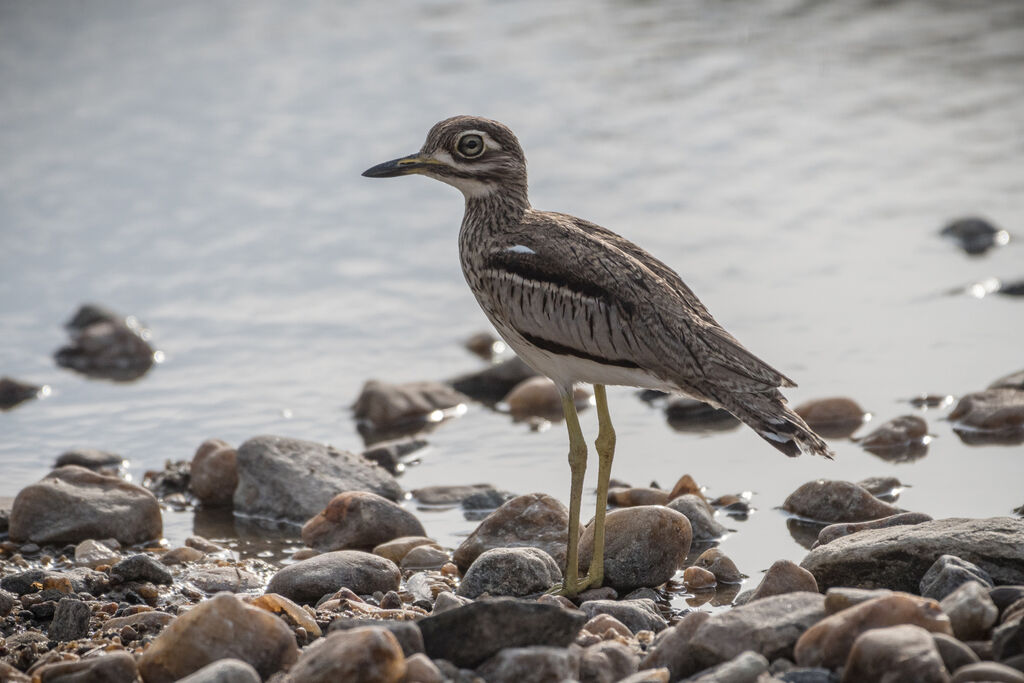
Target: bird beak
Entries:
(413, 163)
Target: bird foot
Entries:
(562, 588)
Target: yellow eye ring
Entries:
(470, 145)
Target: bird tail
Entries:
(768, 415)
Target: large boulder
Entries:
(72, 504)
(292, 479)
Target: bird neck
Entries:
(492, 211)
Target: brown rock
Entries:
(833, 418)
(220, 627)
(897, 653)
(424, 557)
(398, 548)
(359, 520)
(601, 624)
(784, 577)
(901, 439)
(149, 622)
(631, 497)
(686, 484)
(607, 662)
(307, 581)
(826, 500)
(113, 667)
(419, 669)
(212, 580)
(987, 672)
(534, 520)
(214, 473)
(671, 650)
(698, 578)
(719, 564)
(828, 642)
(993, 415)
(970, 610)
(485, 345)
(838, 599)
(182, 555)
(369, 655)
(539, 397)
(1012, 381)
(393, 405)
(834, 531)
(536, 664)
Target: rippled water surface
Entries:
(197, 164)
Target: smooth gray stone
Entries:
(224, 671)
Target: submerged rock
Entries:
(214, 473)
(449, 495)
(359, 520)
(493, 383)
(832, 418)
(307, 581)
(901, 439)
(510, 571)
(974, 235)
(387, 406)
(90, 458)
(389, 454)
(534, 520)
(621, 496)
(826, 500)
(485, 345)
(990, 416)
(13, 392)
(72, 504)
(106, 345)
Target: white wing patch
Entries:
(520, 249)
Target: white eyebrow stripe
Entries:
(520, 249)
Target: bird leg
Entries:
(605, 452)
(578, 467)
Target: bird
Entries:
(581, 304)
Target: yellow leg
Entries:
(605, 452)
(578, 467)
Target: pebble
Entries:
(602, 623)
(896, 653)
(660, 675)
(369, 654)
(1008, 640)
(224, 671)
(1012, 381)
(633, 496)
(182, 555)
(72, 504)
(407, 633)
(970, 610)
(141, 567)
(359, 520)
(447, 600)
(425, 557)
(834, 531)
(494, 382)
(534, 520)
(746, 667)
(828, 642)
(90, 458)
(896, 557)
(719, 564)
(212, 580)
(292, 613)
(220, 627)
(607, 662)
(999, 412)
(389, 454)
(111, 667)
(307, 581)
(448, 494)
(826, 500)
(987, 672)
(396, 549)
(838, 599)
(539, 397)
(685, 484)
(13, 392)
(388, 406)
(70, 620)
(7, 603)
(284, 478)
(784, 577)
(954, 653)
(948, 573)
(419, 669)
(487, 499)
(148, 622)
(485, 345)
(701, 517)
(832, 418)
(537, 664)
(107, 346)
(698, 578)
(214, 473)
(91, 553)
(636, 615)
(974, 235)
(200, 543)
(899, 440)
(469, 635)
(644, 546)
(510, 571)
(690, 415)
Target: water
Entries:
(197, 164)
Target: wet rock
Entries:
(111, 667)
(974, 235)
(1012, 381)
(448, 495)
(746, 667)
(954, 653)
(92, 554)
(72, 504)
(689, 415)
(784, 577)
(832, 418)
(607, 662)
(834, 531)
(407, 633)
(13, 392)
(369, 654)
(419, 669)
(218, 628)
(644, 546)
(970, 610)
(424, 557)
(494, 382)
(510, 571)
(141, 568)
(989, 672)
(901, 439)
(396, 549)
(224, 671)
(886, 488)
(685, 485)
(896, 653)
(631, 497)
(469, 635)
(827, 500)
(636, 615)
(698, 578)
(106, 346)
(292, 479)
(719, 564)
(70, 620)
(993, 415)
(214, 473)
(828, 642)
(948, 573)
(895, 557)
(212, 580)
(769, 627)
(539, 397)
(90, 458)
(701, 517)
(389, 454)
(389, 406)
(359, 520)
(307, 581)
(534, 520)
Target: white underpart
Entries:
(520, 249)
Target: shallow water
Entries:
(197, 164)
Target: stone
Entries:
(948, 573)
(471, 634)
(828, 642)
(368, 654)
(487, 499)
(535, 520)
(993, 411)
(70, 620)
(896, 557)
(291, 479)
(536, 664)
(701, 517)
(954, 653)
(90, 458)
(7, 603)
(485, 345)
(698, 578)
(182, 555)
(970, 610)
(989, 672)
(607, 662)
(110, 347)
(838, 599)
(110, 667)
(91, 553)
(396, 549)
(214, 473)
(13, 392)
(719, 564)
(389, 454)
(72, 504)
(220, 627)
(212, 580)
(386, 406)
(644, 546)
(510, 571)
(494, 382)
(690, 415)
(901, 439)
(448, 495)
(784, 577)
(407, 633)
(895, 653)
(974, 235)
(826, 500)
(1014, 380)
(359, 520)
(832, 418)
(686, 484)
(288, 610)
(636, 615)
(149, 622)
(447, 600)
(671, 650)
(539, 397)
(886, 488)
(307, 581)
(141, 567)
(419, 669)
(648, 676)
(425, 557)
(746, 667)
(224, 671)
(601, 624)
(630, 497)
(769, 626)
(1008, 639)
(834, 531)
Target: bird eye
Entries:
(470, 146)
